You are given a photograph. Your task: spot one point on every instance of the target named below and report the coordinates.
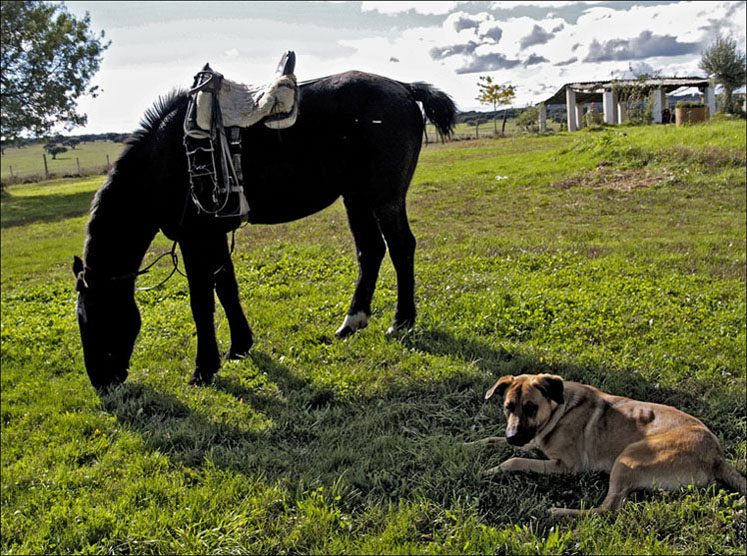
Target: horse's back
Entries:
(357, 134)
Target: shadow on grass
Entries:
(19, 211)
(403, 444)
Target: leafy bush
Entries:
(691, 104)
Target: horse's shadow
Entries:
(404, 443)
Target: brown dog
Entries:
(640, 444)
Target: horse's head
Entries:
(109, 322)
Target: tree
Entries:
(47, 61)
(495, 95)
(528, 118)
(54, 149)
(726, 66)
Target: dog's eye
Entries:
(530, 410)
(510, 406)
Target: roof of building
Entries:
(588, 91)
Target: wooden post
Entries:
(77, 161)
(11, 172)
(107, 162)
(46, 168)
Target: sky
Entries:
(535, 46)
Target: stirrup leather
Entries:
(213, 161)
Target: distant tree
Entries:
(54, 149)
(71, 142)
(528, 118)
(495, 95)
(47, 60)
(725, 63)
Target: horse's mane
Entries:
(163, 108)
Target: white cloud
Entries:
(162, 53)
(425, 8)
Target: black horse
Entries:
(357, 136)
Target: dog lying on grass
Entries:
(640, 444)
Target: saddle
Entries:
(218, 108)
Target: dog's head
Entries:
(528, 403)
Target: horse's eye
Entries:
(530, 410)
(510, 406)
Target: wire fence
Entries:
(45, 167)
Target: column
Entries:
(570, 108)
(710, 99)
(622, 113)
(542, 113)
(580, 120)
(608, 105)
(659, 103)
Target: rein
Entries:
(174, 270)
(146, 270)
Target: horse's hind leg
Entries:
(370, 249)
(200, 264)
(393, 223)
(228, 294)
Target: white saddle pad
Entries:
(244, 105)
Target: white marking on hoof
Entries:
(352, 323)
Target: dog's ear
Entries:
(500, 386)
(551, 386)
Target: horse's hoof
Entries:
(344, 332)
(240, 348)
(239, 353)
(200, 378)
(104, 386)
(397, 330)
(352, 323)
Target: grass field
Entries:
(612, 257)
(27, 161)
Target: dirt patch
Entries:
(605, 177)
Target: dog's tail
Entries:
(729, 474)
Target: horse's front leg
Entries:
(199, 262)
(228, 294)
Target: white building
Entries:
(575, 95)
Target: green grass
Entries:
(612, 257)
(27, 162)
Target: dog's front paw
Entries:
(494, 440)
(513, 464)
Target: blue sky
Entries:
(535, 46)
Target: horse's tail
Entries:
(439, 107)
(728, 474)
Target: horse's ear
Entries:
(500, 386)
(77, 265)
(80, 274)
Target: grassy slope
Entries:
(316, 445)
